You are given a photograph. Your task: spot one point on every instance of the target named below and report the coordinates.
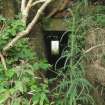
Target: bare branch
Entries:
(29, 27)
(94, 47)
(25, 9)
(3, 61)
(37, 2)
(23, 4)
(29, 4)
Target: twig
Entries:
(87, 51)
(36, 2)
(25, 9)
(3, 61)
(2, 28)
(102, 89)
(93, 47)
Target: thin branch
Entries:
(29, 5)
(37, 2)
(25, 10)
(2, 28)
(29, 27)
(3, 61)
(94, 47)
(23, 4)
(14, 40)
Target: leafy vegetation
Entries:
(21, 84)
(74, 88)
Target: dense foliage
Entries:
(74, 88)
(19, 83)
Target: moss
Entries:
(59, 24)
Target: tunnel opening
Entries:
(60, 38)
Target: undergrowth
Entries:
(73, 87)
(20, 84)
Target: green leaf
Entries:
(19, 86)
(4, 97)
(35, 99)
(17, 101)
(10, 73)
(36, 66)
(30, 72)
(44, 66)
(42, 98)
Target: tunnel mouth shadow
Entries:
(62, 37)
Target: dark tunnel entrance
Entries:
(61, 37)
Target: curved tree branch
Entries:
(28, 28)
(94, 47)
